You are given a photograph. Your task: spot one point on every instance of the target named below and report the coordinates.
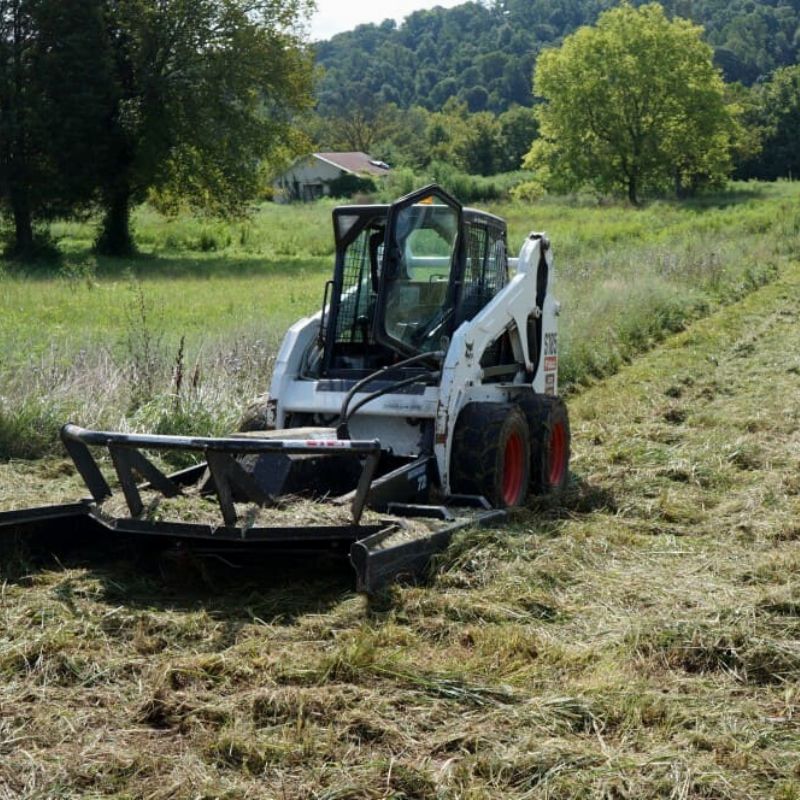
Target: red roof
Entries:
(357, 163)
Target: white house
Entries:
(310, 177)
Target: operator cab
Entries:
(406, 276)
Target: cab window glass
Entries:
(418, 297)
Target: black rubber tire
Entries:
(491, 453)
(548, 421)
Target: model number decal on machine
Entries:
(550, 352)
(420, 477)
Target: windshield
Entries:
(419, 299)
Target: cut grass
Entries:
(636, 639)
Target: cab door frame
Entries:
(392, 259)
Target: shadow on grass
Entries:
(152, 575)
(149, 573)
(218, 266)
(716, 201)
(86, 266)
(544, 516)
(578, 498)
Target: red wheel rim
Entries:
(558, 454)
(513, 469)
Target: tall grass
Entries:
(467, 188)
(102, 341)
(628, 277)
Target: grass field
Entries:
(637, 639)
(99, 340)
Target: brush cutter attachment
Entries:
(236, 468)
(241, 500)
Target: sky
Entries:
(335, 16)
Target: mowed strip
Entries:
(639, 639)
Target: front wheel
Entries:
(491, 453)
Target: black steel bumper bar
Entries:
(220, 454)
(376, 564)
(9, 519)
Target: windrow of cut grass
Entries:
(637, 638)
(179, 338)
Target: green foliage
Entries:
(528, 192)
(775, 111)
(479, 143)
(518, 128)
(348, 185)
(54, 89)
(467, 188)
(464, 52)
(634, 103)
(483, 53)
(29, 429)
(477, 149)
(184, 101)
(204, 91)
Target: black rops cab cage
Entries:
(406, 276)
(346, 331)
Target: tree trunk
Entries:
(633, 195)
(681, 191)
(115, 235)
(23, 225)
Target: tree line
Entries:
(483, 53)
(589, 119)
(477, 143)
(104, 103)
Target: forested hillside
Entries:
(483, 53)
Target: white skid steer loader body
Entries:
(425, 388)
(394, 418)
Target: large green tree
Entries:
(54, 91)
(633, 103)
(205, 94)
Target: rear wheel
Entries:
(491, 453)
(550, 443)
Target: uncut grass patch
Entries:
(183, 336)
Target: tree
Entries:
(477, 148)
(776, 111)
(53, 95)
(205, 93)
(518, 128)
(358, 124)
(635, 103)
(22, 163)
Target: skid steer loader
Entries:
(423, 396)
